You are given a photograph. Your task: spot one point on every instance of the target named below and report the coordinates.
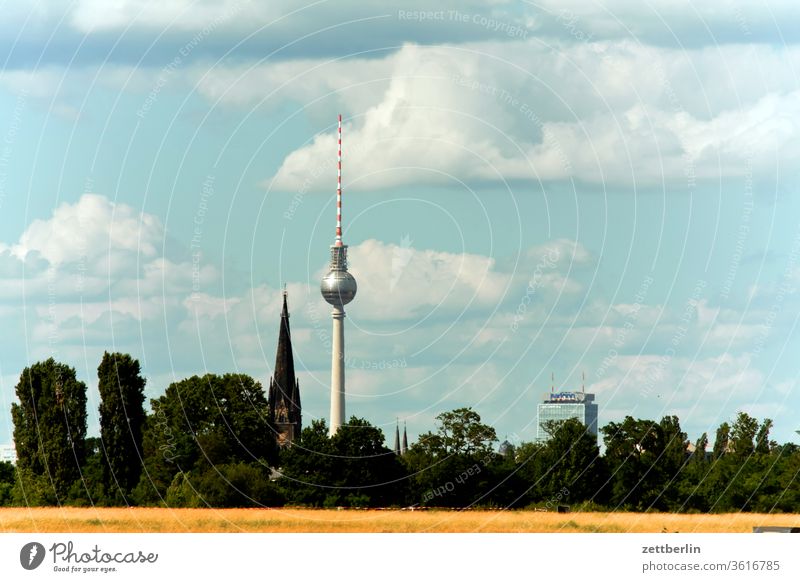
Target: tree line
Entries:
(206, 442)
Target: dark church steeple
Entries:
(284, 390)
(400, 449)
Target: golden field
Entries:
(78, 520)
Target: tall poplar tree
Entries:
(49, 431)
(122, 418)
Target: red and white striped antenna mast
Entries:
(339, 189)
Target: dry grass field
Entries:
(111, 520)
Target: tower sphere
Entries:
(338, 287)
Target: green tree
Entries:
(672, 459)
(307, 468)
(503, 485)
(743, 434)
(750, 483)
(49, 432)
(352, 468)
(531, 466)
(461, 431)
(630, 447)
(645, 459)
(122, 417)
(369, 472)
(7, 475)
(700, 446)
(456, 466)
(763, 444)
(160, 458)
(570, 463)
(787, 477)
(742, 480)
(90, 490)
(226, 485)
(202, 422)
(721, 440)
(692, 489)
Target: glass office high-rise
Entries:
(564, 405)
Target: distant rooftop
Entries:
(8, 453)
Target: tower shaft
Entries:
(337, 371)
(338, 288)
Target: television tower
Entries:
(338, 288)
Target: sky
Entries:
(537, 196)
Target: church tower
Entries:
(284, 390)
